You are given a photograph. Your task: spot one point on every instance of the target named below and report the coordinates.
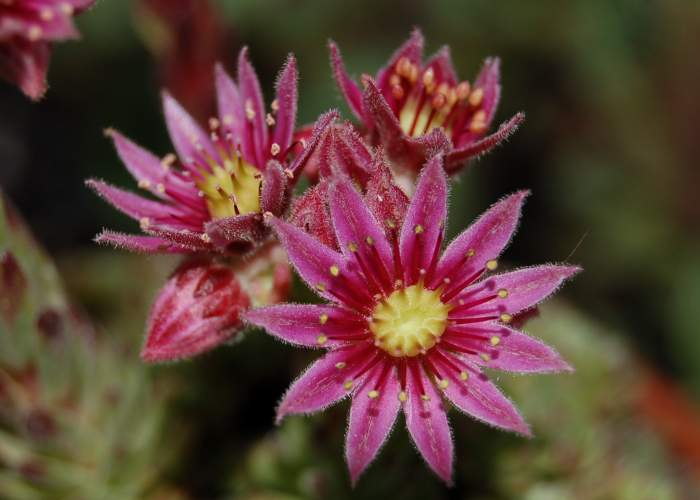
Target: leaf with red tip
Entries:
(287, 104)
(351, 92)
(197, 309)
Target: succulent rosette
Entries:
(27, 30)
(408, 326)
(207, 203)
(415, 109)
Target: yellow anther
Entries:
(274, 149)
(428, 77)
(168, 161)
(205, 238)
(403, 396)
(463, 376)
(476, 96)
(403, 67)
(463, 90)
(471, 252)
(347, 385)
(373, 394)
(321, 339)
(425, 397)
(502, 293)
(160, 188)
(369, 240)
(485, 356)
(270, 120)
(390, 224)
(478, 123)
(492, 265)
(335, 270)
(67, 8)
(214, 123)
(320, 287)
(35, 33)
(340, 365)
(275, 106)
(144, 184)
(495, 341)
(228, 119)
(249, 111)
(442, 384)
(506, 318)
(323, 319)
(46, 14)
(144, 222)
(352, 247)
(419, 229)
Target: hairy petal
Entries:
(232, 112)
(489, 81)
(310, 212)
(424, 224)
(287, 101)
(252, 98)
(307, 325)
(323, 383)
(384, 198)
(482, 241)
(412, 49)
(372, 415)
(520, 353)
(274, 197)
(320, 128)
(139, 243)
(189, 140)
(427, 422)
(526, 287)
(477, 395)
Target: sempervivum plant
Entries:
(408, 325)
(27, 30)
(79, 418)
(415, 109)
(209, 204)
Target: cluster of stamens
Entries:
(428, 104)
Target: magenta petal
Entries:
(232, 113)
(358, 232)
(312, 260)
(412, 49)
(287, 104)
(457, 158)
(324, 383)
(526, 287)
(188, 239)
(383, 119)
(254, 106)
(441, 63)
(520, 353)
(131, 204)
(274, 197)
(351, 92)
(308, 325)
(196, 310)
(489, 81)
(482, 241)
(427, 422)
(372, 415)
(477, 396)
(424, 225)
(189, 140)
(138, 243)
(347, 153)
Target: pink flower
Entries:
(211, 196)
(417, 109)
(27, 28)
(408, 325)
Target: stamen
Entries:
(373, 394)
(323, 318)
(476, 96)
(321, 339)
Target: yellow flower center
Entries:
(410, 321)
(232, 188)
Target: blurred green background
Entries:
(609, 149)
